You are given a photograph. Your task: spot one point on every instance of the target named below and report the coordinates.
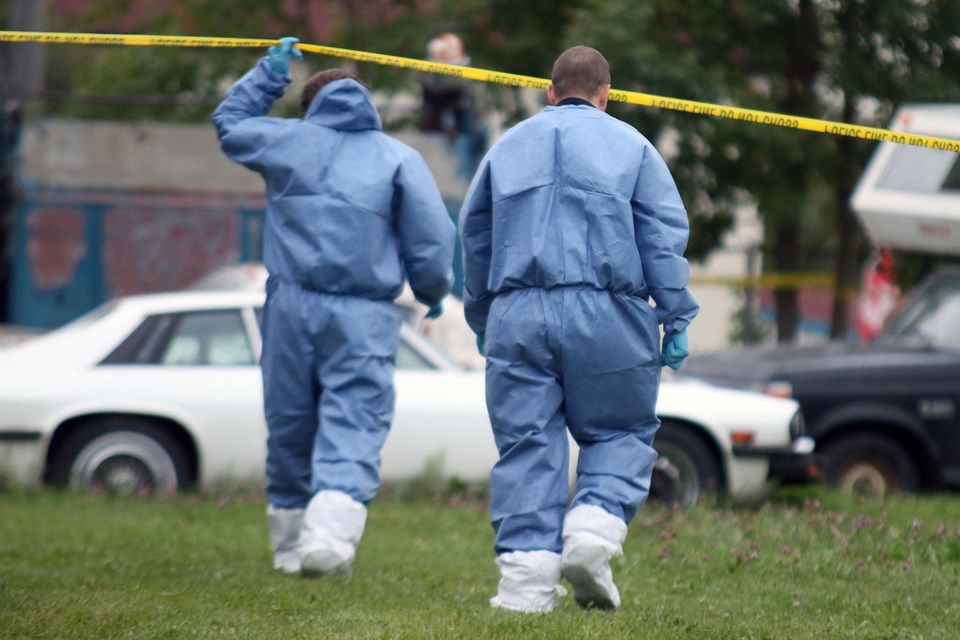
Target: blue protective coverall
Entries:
(571, 224)
(350, 213)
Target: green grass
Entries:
(810, 564)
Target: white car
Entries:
(161, 392)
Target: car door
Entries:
(440, 427)
(932, 317)
(940, 405)
(199, 369)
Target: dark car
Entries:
(884, 413)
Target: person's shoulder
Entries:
(626, 129)
(396, 150)
(531, 126)
(271, 124)
(397, 146)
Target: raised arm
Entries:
(252, 97)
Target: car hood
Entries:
(723, 410)
(750, 367)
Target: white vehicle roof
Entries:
(909, 197)
(100, 327)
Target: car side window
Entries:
(209, 338)
(942, 324)
(932, 315)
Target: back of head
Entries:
(581, 72)
(319, 80)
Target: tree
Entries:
(846, 60)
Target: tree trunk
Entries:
(786, 257)
(802, 47)
(847, 269)
(788, 314)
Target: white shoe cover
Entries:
(332, 528)
(284, 526)
(591, 536)
(529, 581)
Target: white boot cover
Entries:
(332, 529)
(529, 581)
(591, 536)
(284, 526)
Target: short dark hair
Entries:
(319, 80)
(580, 71)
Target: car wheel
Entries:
(128, 456)
(869, 464)
(685, 471)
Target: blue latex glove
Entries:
(435, 311)
(675, 349)
(280, 55)
(481, 345)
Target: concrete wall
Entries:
(83, 154)
(183, 158)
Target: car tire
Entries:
(686, 470)
(127, 456)
(869, 464)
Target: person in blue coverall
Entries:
(570, 226)
(350, 213)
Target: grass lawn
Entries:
(809, 564)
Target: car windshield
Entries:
(932, 315)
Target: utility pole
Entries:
(24, 63)
(22, 70)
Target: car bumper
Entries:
(21, 458)
(795, 463)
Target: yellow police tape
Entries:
(787, 280)
(688, 106)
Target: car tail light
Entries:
(778, 389)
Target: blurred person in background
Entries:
(449, 107)
(350, 212)
(572, 223)
(879, 294)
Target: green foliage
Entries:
(176, 84)
(154, 83)
(845, 60)
(747, 327)
(811, 564)
(509, 36)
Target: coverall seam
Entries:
(515, 194)
(559, 183)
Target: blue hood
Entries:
(344, 105)
(350, 210)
